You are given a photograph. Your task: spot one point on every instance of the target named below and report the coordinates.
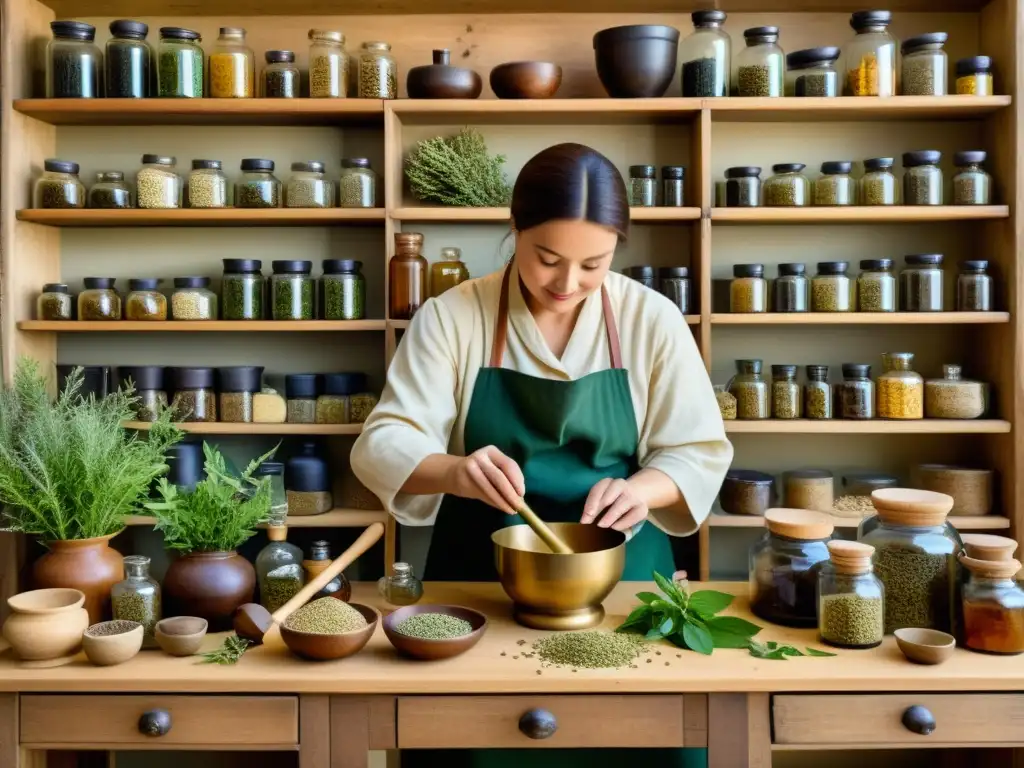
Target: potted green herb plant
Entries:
(70, 475)
(207, 525)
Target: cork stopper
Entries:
(909, 507)
(277, 532)
(991, 569)
(850, 557)
(985, 546)
(803, 524)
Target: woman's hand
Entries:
(488, 475)
(622, 506)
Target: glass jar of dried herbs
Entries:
(743, 186)
(378, 72)
(974, 287)
(707, 56)
(726, 402)
(144, 300)
(232, 66)
(748, 291)
(257, 187)
(308, 187)
(954, 397)
(110, 191)
(831, 290)
(207, 185)
(835, 186)
(922, 177)
(307, 481)
(643, 274)
(674, 284)
(361, 405)
(281, 79)
(922, 283)
(870, 58)
(279, 572)
(900, 388)
(158, 185)
(148, 383)
(673, 183)
(137, 598)
(237, 385)
(55, 303)
(128, 60)
(99, 300)
(357, 187)
(787, 399)
(788, 187)
(760, 68)
(192, 299)
(751, 390)
(817, 393)
(808, 489)
(643, 188)
(850, 597)
(876, 286)
(791, 290)
(301, 391)
(974, 76)
(924, 65)
(878, 184)
(193, 397)
(73, 61)
(292, 290)
(855, 396)
(334, 405)
(179, 64)
(972, 185)
(812, 72)
(59, 186)
(342, 290)
(241, 290)
(328, 65)
(746, 492)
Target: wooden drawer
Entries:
(211, 722)
(872, 720)
(434, 722)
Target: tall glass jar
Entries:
(292, 290)
(876, 286)
(674, 284)
(869, 59)
(974, 76)
(643, 187)
(812, 72)
(55, 303)
(232, 66)
(401, 587)
(924, 65)
(746, 492)
(743, 187)
(99, 300)
(378, 72)
(706, 55)
(851, 598)
(447, 273)
(787, 399)
(788, 187)
(301, 391)
(672, 186)
(110, 191)
(237, 386)
(817, 393)
(179, 64)
(279, 572)
(900, 388)
(641, 273)
(257, 187)
(144, 300)
(59, 186)
(193, 398)
(328, 65)
(748, 291)
(308, 187)
(147, 381)
(760, 68)
(971, 185)
(342, 290)
(281, 78)
(830, 288)
(128, 60)
(407, 276)
(878, 184)
(835, 186)
(954, 397)
(207, 185)
(158, 184)
(137, 598)
(855, 397)
(319, 559)
(974, 287)
(241, 289)
(751, 390)
(922, 177)
(993, 606)
(784, 566)
(73, 61)
(192, 299)
(921, 283)
(357, 187)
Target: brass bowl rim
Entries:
(556, 527)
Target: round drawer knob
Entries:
(919, 720)
(538, 724)
(155, 722)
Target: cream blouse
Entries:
(423, 408)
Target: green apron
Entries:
(566, 436)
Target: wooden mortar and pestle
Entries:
(253, 621)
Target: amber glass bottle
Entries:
(408, 276)
(448, 272)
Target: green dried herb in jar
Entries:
(301, 392)
(180, 63)
(830, 288)
(357, 187)
(788, 187)
(194, 398)
(850, 597)
(148, 383)
(761, 65)
(972, 185)
(835, 186)
(922, 178)
(137, 598)
(59, 186)
(54, 303)
(292, 290)
(334, 405)
(281, 79)
(258, 187)
(876, 286)
(378, 73)
(99, 300)
(342, 290)
(787, 401)
(110, 191)
(241, 290)
(308, 187)
(878, 184)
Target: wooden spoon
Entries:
(545, 534)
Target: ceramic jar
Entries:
(88, 565)
(46, 624)
(210, 585)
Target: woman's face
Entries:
(562, 262)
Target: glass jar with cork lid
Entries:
(328, 65)
(407, 285)
(307, 482)
(922, 177)
(447, 273)
(870, 58)
(238, 385)
(748, 291)
(851, 599)
(760, 68)
(876, 286)
(751, 390)
(55, 303)
(924, 65)
(954, 397)
(279, 572)
(318, 560)
(993, 606)
(817, 393)
(193, 397)
(787, 398)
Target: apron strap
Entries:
(501, 326)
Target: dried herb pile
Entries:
(457, 170)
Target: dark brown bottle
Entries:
(407, 276)
(320, 558)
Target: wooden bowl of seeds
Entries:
(328, 628)
(112, 642)
(432, 632)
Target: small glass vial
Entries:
(812, 72)
(787, 398)
(760, 68)
(258, 187)
(147, 381)
(73, 61)
(726, 402)
(319, 559)
(144, 300)
(851, 611)
(791, 290)
(99, 300)
(878, 184)
(924, 65)
(237, 385)
(673, 181)
(835, 186)
(855, 397)
(974, 76)
(194, 398)
(179, 64)
(158, 185)
(971, 185)
(869, 59)
(817, 393)
(279, 572)
(281, 78)
(59, 186)
(241, 289)
(192, 299)
(748, 291)
(401, 587)
(55, 303)
(788, 187)
(378, 72)
(993, 607)
(743, 187)
(643, 189)
(674, 284)
(328, 65)
(308, 187)
(334, 406)
(407, 276)
(954, 397)
(137, 598)
(707, 56)
(921, 283)
(876, 286)
(301, 391)
(643, 274)
(207, 185)
(110, 191)
(751, 390)
(447, 273)
(232, 66)
(357, 187)
(922, 178)
(292, 290)
(128, 60)
(900, 388)
(342, 290)
(974, 287)
(830, 288)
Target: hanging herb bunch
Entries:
(457, 170)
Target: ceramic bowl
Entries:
(317, 647)
(925, 646)
(441, 80)
(636, 61)
(112, 642)
(46, 624)
(526, 80)
(181, 635)
(432, 650)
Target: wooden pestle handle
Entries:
(366, 539)
(546, 535)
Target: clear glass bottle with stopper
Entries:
(279, 571)
(401, 587)
(137, 598)
(319, 558)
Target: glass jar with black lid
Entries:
(342, 290)
(791, 290)
(830, 288)
(760, 68)
(280, 76)
(179, 63)
(193, 397)
(787, 400)
(878, 184)
(812, 72)
(974, 76)
(972, 184)
(207, 186)
(59, 186)
(99, 300)
(876, 286)
(835, 186)
(308, 187)
(110, 191)
(748, 291)
(193, 299)
(870, 59)
(55, 303)
(922, 177)
(301, 391)
(817, 393)
(706, 55)
(258, 187)
(674, 283)
(334, 406)
(922, 283)
(924, 65)
(237, 385)
(855, 396)
(292, 290)
(643, 274)
(673, 178)
(751, 391)
(307, 482)
(148, 383)
(242, 290)
(128, 60)
(974, 287)
(144, 300)
(788, 187)
(643, 189)
(743, 186)
(73, 62)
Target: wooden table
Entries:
(739, 707)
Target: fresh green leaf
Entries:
(647, 597)
(636, 617)
(816, 652)
(653, 635)
(789, 650)
(698, 638)
(708, 602)
(667, 626)
(734, 625)
(771, 645)
(672, 592)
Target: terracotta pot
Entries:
(89, 565)
(46, 624)
(210, 585)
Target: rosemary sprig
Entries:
(229, 653)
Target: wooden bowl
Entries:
(181, 635)
(112, 642)
(925, 646)
(310, 645)
(526, 80)
(432, 650)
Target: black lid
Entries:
(808, 474)
(921, 41)
(269, 469)
(179, 33)
(639, 272)
(970, 157)
(144, 284)
(741, 171)
(878, 163)
(304, 386)
(307, 472)
(673, 172)
(836, 166)
(355, 162)
(974, 65)
(861, 20)
(856, 370)
(875, 264)
(833, 267)
(809, 57)
(641, 171)
(257, 164)
(817, 371)
(210, 165)
(784, 370)
(278, 57)
(341, 266)
(924, 259)
(60, 166)
(99, 282)
(73, 30)
(311, 166)
(188, 378)
(144, 377)
(186, 464)
(135, 30)
(709, 18)
(244, 266)
(921, 157)
(192, 282)
(749, 476)
(344, 383)
(792, 268)
(748, 270)
(788, 167)
(240, 378)
(291, 267)
(974, 265)
(55, 288)
(669, 272)
(159, 160)
(758, 34)
(754, 366)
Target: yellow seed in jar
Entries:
(230, 76)
(328, 75)
(899, 399)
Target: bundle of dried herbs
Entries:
(457, 170)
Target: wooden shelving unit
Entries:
(892, 214)
(201, 326)
(226, 428)
(869, 427)
(197, 217)
(862, 318)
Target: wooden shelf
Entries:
(545, 111)
(203, 217)
(225, 428)
(869, 427)
(859, 214)
(336, 518)
(197, 326)
(854, 108)
(502, 215)
(966, 523)
(861, 318)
